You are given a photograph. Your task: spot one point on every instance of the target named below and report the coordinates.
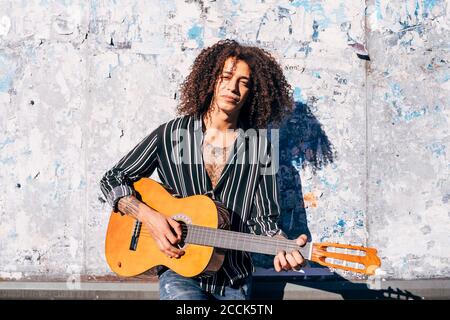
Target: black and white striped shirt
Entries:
(247, 185)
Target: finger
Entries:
(171, 250)
(177, 227)
(162, 248)
(283, 262)
(298, 257)
(277, 264)
(170, 236)
(302, 240)
(292, 263)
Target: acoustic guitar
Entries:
(131, 251)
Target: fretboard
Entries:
(233, 240)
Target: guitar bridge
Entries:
(135, 235)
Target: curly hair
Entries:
(270, 98)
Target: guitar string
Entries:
(257, 248)
(239, 236)
(262, 243)
(214, 234)
(254, 241)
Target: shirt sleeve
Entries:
(265, 212)
(140, 162)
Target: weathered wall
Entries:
(408, 98)
(82, 82)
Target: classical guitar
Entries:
(130, 250)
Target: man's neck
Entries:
(219, 120)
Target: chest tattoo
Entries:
(215, 159)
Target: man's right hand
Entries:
(160, 228)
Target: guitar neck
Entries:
(233, 240)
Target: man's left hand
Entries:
(290, 260)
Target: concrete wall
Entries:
(365, 156)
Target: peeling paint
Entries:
(310, 200)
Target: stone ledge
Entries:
(279, 288)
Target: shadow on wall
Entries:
(302, 143)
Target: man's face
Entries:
(233, 86)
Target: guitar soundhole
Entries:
(181, 244)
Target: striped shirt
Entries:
(247, 186)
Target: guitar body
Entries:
(130, 256)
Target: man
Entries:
(231, 89)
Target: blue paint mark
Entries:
(9, 160)
(6, 81)
(222, 32)
(396, 90)
(409, 116)
(437, 149)
(378, 10)
(235, 2)
(395, 98)
(359, 223)
(307, 5)
(316, 74)
(305, 48)
(298, 95)
(329, 185)
(341, 223)
(428, 5)
(321, 17)
(58, 169)
(6, 142)
(82, 184)
(315, 34)
(195, 32)
(297, 164)
(446, 78)
(416, 10)
(93, 12)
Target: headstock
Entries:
(366, 257)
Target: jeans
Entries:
(172, 286)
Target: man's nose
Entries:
(233, 86)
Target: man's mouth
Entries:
(230, 98)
